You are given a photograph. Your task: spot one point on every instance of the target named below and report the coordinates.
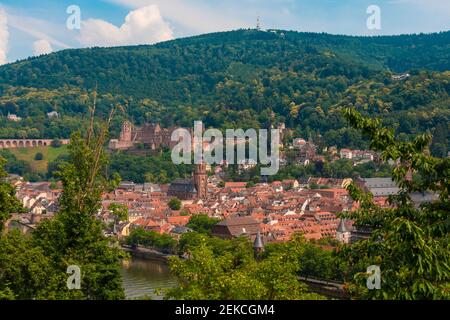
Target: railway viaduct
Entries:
(27, 143)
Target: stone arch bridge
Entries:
(27, 143)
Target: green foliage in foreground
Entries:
(232, 273)
(411, 245)
(34, 267)
(8, 201)
(318, 259)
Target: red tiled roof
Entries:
(179, 220)
(236, 185)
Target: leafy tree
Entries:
(137, 236)
(174, 204)
(202, 223)
(235, 275)
(55, 166)
(38, 156)
(8, 201)
(410, 244)
(34, 266)
(313, 186)
(317, 259)
(56, 143)
(140, 169)
(74, 236)
(26, 270)
(151, 239)
(119, 211)
(190, 240)
(184, 213)
(13, 165)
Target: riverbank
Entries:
(146, 253)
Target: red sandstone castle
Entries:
(152, 136)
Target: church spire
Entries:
(258, 245)
(341, 227)
(343, 234)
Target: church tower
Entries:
(201, 180)
(342, 233)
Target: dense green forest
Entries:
(238, 79)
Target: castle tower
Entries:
(125, 134)
(409, 175)
(201, 180)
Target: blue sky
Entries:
(31, 27)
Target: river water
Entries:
(141, 277)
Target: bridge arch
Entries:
(28, 143)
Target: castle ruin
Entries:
(152, 136)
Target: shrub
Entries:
(39, 156)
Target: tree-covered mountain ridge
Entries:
(237, 79)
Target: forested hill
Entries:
(129, 70)
(237, 79)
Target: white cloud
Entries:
(4, 36)
(37, 28)
(42, 47)
(198, 16)
(144, 25)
